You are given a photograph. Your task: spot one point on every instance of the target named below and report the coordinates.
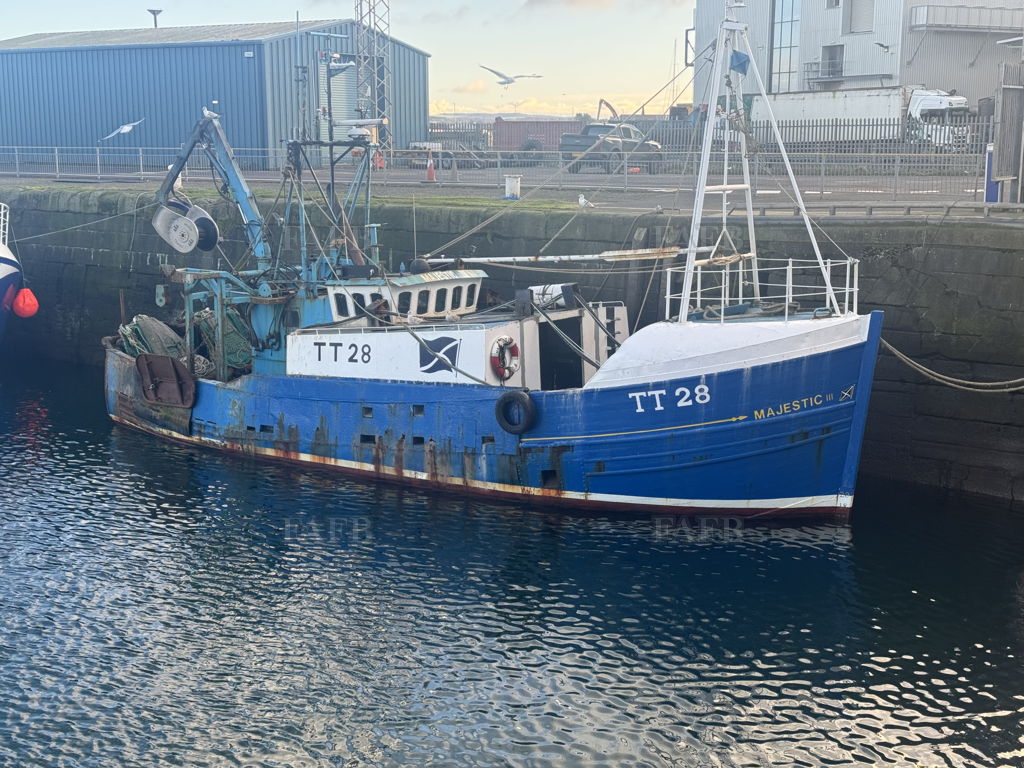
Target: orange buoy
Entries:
(25, 303)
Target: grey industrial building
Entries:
(829, 45)
(267, 81)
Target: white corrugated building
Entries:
(829, 45)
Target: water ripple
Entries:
(161, 605)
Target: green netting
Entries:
(147, 334)
(237, 347)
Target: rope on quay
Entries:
(1011, 385)
(88, 223)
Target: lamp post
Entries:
(156, 12)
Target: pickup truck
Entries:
(611, 142)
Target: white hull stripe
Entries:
(8, 268)
(831, 501)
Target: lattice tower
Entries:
(373, 59)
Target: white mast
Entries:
(731, 35)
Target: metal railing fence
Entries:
(969, 134)
(897, 175)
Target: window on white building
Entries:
(785, 76)
(858, 16)
(832, 61)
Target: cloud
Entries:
(444, 17)
(563, 107)
(581, 4)
(473, 86)
(605, 5)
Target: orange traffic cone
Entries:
(431, 173)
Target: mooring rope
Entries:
(966, 385)
(88, 223)
(1011, 385)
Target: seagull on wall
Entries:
(126, 128)
(584, 203)
(504, 79)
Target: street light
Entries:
(156, 12)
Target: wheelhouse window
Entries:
(404, 301)
(471, 296)
(440, 299)
(423, 302)
(341, 304)
(456, 297)
(785, 46)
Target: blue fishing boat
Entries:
(749, 398)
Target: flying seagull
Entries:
(126, 128)
(504, 79)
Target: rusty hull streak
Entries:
(322, 444)
(399, 465)
(378, 456)
(544, 497)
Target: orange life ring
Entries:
(504, 357)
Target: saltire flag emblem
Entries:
(440, 354)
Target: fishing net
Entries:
(237, 351)
(147, 334)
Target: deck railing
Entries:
(784, 287)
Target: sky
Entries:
(621, 50)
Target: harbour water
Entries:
(164, 605)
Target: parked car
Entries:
(610, 145)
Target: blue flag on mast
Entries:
(739, 62)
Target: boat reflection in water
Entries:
(163, 604)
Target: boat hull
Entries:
(775, 440)
(10, 283)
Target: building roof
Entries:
(213, 33)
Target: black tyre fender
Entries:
(510, 402)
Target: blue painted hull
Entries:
(781, 439)
(9, 285)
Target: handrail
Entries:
(719, 287)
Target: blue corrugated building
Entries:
(69, 89)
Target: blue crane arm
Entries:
(209, 136)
